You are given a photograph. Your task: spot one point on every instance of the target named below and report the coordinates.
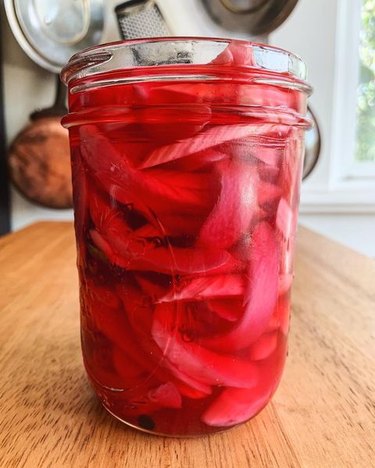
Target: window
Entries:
(354, 102)
(365, 129)
(344, 181)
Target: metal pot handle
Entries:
(313, 143)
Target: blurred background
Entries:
(336, 39)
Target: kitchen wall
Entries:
(308, 32)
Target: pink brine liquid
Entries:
(185, 215)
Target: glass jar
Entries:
(187, 157)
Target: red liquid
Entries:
(185, 210)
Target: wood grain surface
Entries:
(323, 414)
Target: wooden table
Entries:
(323, 414)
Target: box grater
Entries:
(141, 18)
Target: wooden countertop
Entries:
(323, 414)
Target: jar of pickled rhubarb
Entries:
(186, 159)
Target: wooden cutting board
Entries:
(323, 414)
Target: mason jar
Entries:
(186, 161)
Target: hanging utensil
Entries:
(49, 33)
(141, 18)
(313, 145)
(38, 158)
(254, 17)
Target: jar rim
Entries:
(283, 67)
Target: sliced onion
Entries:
(263, 347)
(166, 395)
(209, 138)
(200, 289)
(236, 207)
(260, 297)
(228, 309)
(285, 219)
(234, 406)
(199, 363)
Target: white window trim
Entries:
(350, 187)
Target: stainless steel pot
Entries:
(254, 17)
(50, 32)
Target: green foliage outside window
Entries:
(365, 150)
